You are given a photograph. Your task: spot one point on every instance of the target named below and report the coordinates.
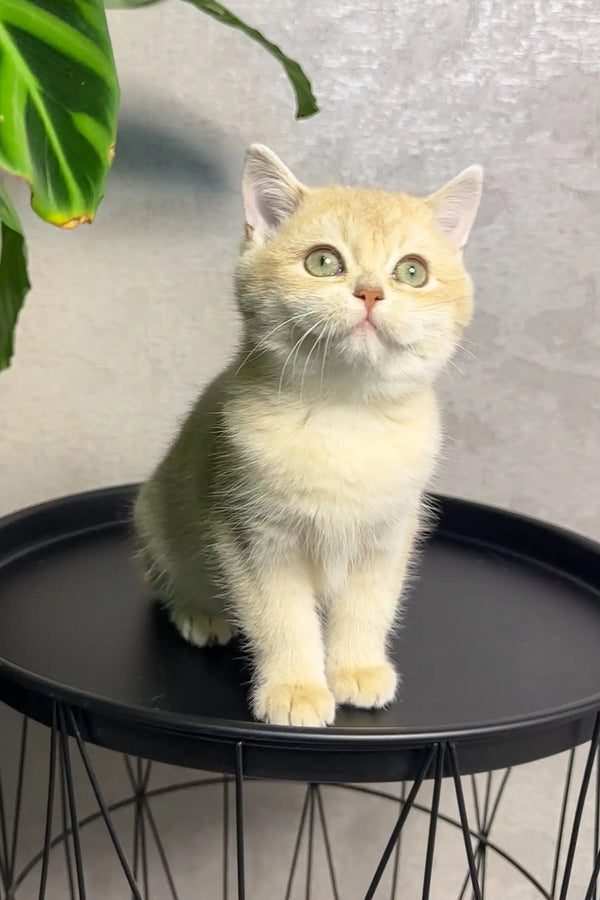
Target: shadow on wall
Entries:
(174, 149)
(170, 171)
(148, 149)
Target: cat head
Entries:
(351, 288)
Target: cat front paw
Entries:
(202, 629)
(304, 705)
(367, 687)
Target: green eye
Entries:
(412, 271)
(324, 261)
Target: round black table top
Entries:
(499, 650)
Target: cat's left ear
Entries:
(455, 205)
(271, 193)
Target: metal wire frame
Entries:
(313, 811)
(440, 761)
(9, 837)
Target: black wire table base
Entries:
(63, 826)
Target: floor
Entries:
(190, 823)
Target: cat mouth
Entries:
(365, 326)
(367, 332)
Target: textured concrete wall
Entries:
(129, 318)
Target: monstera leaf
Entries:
(58, 119)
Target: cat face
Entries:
(350, 287)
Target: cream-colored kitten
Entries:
(288, 506)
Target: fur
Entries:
(288, 507)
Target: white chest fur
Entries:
(338, 473)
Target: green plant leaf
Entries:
(14, 283)
(306, 104)
(128, 4)
(58, 103)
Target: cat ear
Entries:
(271, 193)
(455, 205)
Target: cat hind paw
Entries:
(202, 629)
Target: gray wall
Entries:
(129, 318)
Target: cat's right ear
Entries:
(271, 193)
(455, 205)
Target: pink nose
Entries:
(369, 295)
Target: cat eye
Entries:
(323, 262)
(412, 271)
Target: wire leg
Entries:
(592, 887)
(3, 841)
(433, 819)
(484, 827)
(239, 819)
(225, 839)
(66, 830)
(561, 824)
(297, 844)
(161, 852)
(49, 806)
(141, 781)
(72, 803)
(398, 850)
(139, 785)
(311, 832)
(18, 798)
(481, 851)
(328, 852)
(136, 825)
(596, 825)
(579, 810)
(406, 808)
(9, 845)
(102, 805)
(479, 826)
(135, 786)
(478, 817)
(460, 800)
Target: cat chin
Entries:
(374, 367)
(376, 347)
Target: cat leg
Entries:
(201, 628)
(359, 622)
(186, 600)
(196, 605)
(277, 612)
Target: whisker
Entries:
(297, 348)
(469, 352)
(316, 325)
(267, 336)
(458, 369)
(327, 342)
(310, 353)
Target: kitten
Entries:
(289, 504)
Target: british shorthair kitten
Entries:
(288, 507)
